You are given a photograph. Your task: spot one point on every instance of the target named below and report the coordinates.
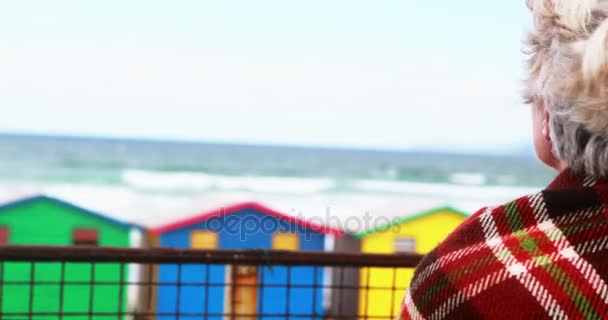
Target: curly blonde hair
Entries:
(568, 71)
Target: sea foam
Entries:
(157, 180)
(442, 190)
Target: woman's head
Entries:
(568, 83)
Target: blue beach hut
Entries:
(245, 291)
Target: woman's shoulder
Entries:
(522, 249)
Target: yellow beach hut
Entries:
(418, 233)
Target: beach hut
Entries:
(241, 226)
(418, 233)
(42, 220)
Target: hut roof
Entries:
(240, 207)
(36, 198)
(410, 218)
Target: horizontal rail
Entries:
(190, 256)
(195, 284)
(147, 315)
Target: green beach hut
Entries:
(42, 220)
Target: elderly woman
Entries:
(542, 256)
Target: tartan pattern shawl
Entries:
(543, 256)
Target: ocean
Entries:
(152, 182)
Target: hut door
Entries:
(245, 292)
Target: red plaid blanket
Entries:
(543, 256)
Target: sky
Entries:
(433, 74)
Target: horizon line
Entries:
(507, 151)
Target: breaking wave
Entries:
(159, 180)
